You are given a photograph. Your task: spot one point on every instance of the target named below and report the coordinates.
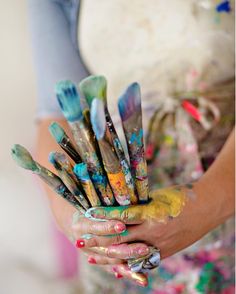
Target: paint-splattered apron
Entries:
(182, 54)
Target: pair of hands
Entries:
(174, 218)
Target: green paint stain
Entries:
(94, 86)
(23, 158)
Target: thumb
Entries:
(127, 214)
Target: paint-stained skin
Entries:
(164, 204)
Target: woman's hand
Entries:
(174, 218)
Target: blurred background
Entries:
(27, 257)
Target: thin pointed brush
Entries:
(65, 171)
(96, 87)
(64, 141)
(69, 102)
(24, 159)
(81, 172)
(131, 115)
(110, 160)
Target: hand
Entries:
(174, 218)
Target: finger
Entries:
(86, 226)
(95, 259)
(127, 214)
(123, 251)
(122, 271)
(104, 241)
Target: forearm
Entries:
(216, 187)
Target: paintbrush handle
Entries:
(69, 148)
(58, 186)
(122, 158)
(85, 142)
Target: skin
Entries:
(64, 212)
(176, 216)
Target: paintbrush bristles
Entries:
(130, 101)
(94, 86)
(98, 118)
(23, 158)
(69, 101)
(57, 132)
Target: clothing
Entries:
(199, 56)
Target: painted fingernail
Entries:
(80, 243)
(143, 251)
(119, 228)
(91, 260)
(142, 283)
(118, 276)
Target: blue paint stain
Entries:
(69, 101)
(137, 138)
(81, 171)
(99, 179)
(130, 101)
(223, 7)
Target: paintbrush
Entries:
(69, 102)
(81, 172)
(96, 87)
(110, 160)
(24, 159)
(64, 141)
(131, 115)
(65, 171)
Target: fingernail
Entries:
(119, 228)
(91, 260)
(143, 251)
(80, 243)
(114, 269)
(118, 276)
(142, 283)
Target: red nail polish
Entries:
(80, 243)
(91, 260)
(118, 276)
(119, 228)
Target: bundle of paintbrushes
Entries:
(100, 173)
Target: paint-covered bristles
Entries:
(98, 119)
(23, 157)
(69, 100)
(129, 101)
(93, 86)
(57, 132)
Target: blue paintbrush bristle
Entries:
(98, 119)
(69, 100)
(130, 101)
(81, 171)
(57, 132)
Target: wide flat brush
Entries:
(81, 172)
(69, 102)
(96, 87)
(110, 160)
(64, 141)
(131, 115)
(65, 171)
(24, 159)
